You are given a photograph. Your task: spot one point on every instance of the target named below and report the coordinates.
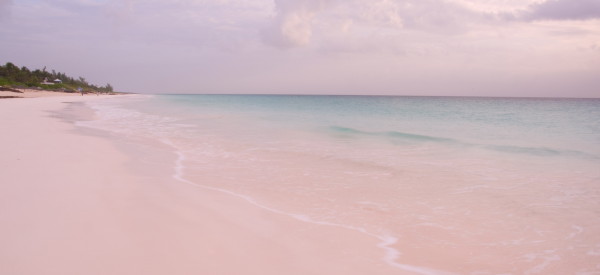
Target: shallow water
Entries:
(456, 185)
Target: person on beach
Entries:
(80, 90)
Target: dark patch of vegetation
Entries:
(15, 77)
(7, 89)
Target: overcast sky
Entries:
(405, 47)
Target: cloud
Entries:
(292, 26)
(4, 7)
(433, 15)
(427, 15)
(119, 11)
(564, 10)
(299, 22)
(5, 3)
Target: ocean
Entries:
(458, 185)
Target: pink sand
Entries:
(74, 204)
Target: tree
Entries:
(10, 67)
(11, 75)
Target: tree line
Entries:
(13, 76)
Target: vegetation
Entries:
(15, 77)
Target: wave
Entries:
(540, 151)
(392, 134)
(386, 242)
(396, 137)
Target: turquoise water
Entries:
(536, 126)
(473, 183)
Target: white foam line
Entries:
(578, 230)
(386, 242)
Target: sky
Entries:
(548, 48)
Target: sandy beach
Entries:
(29, 93)
(77, 202)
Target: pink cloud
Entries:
(292, 26)
(564, 10)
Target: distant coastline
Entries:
(18, 82)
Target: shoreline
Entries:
(78, 202)
(34, 93)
